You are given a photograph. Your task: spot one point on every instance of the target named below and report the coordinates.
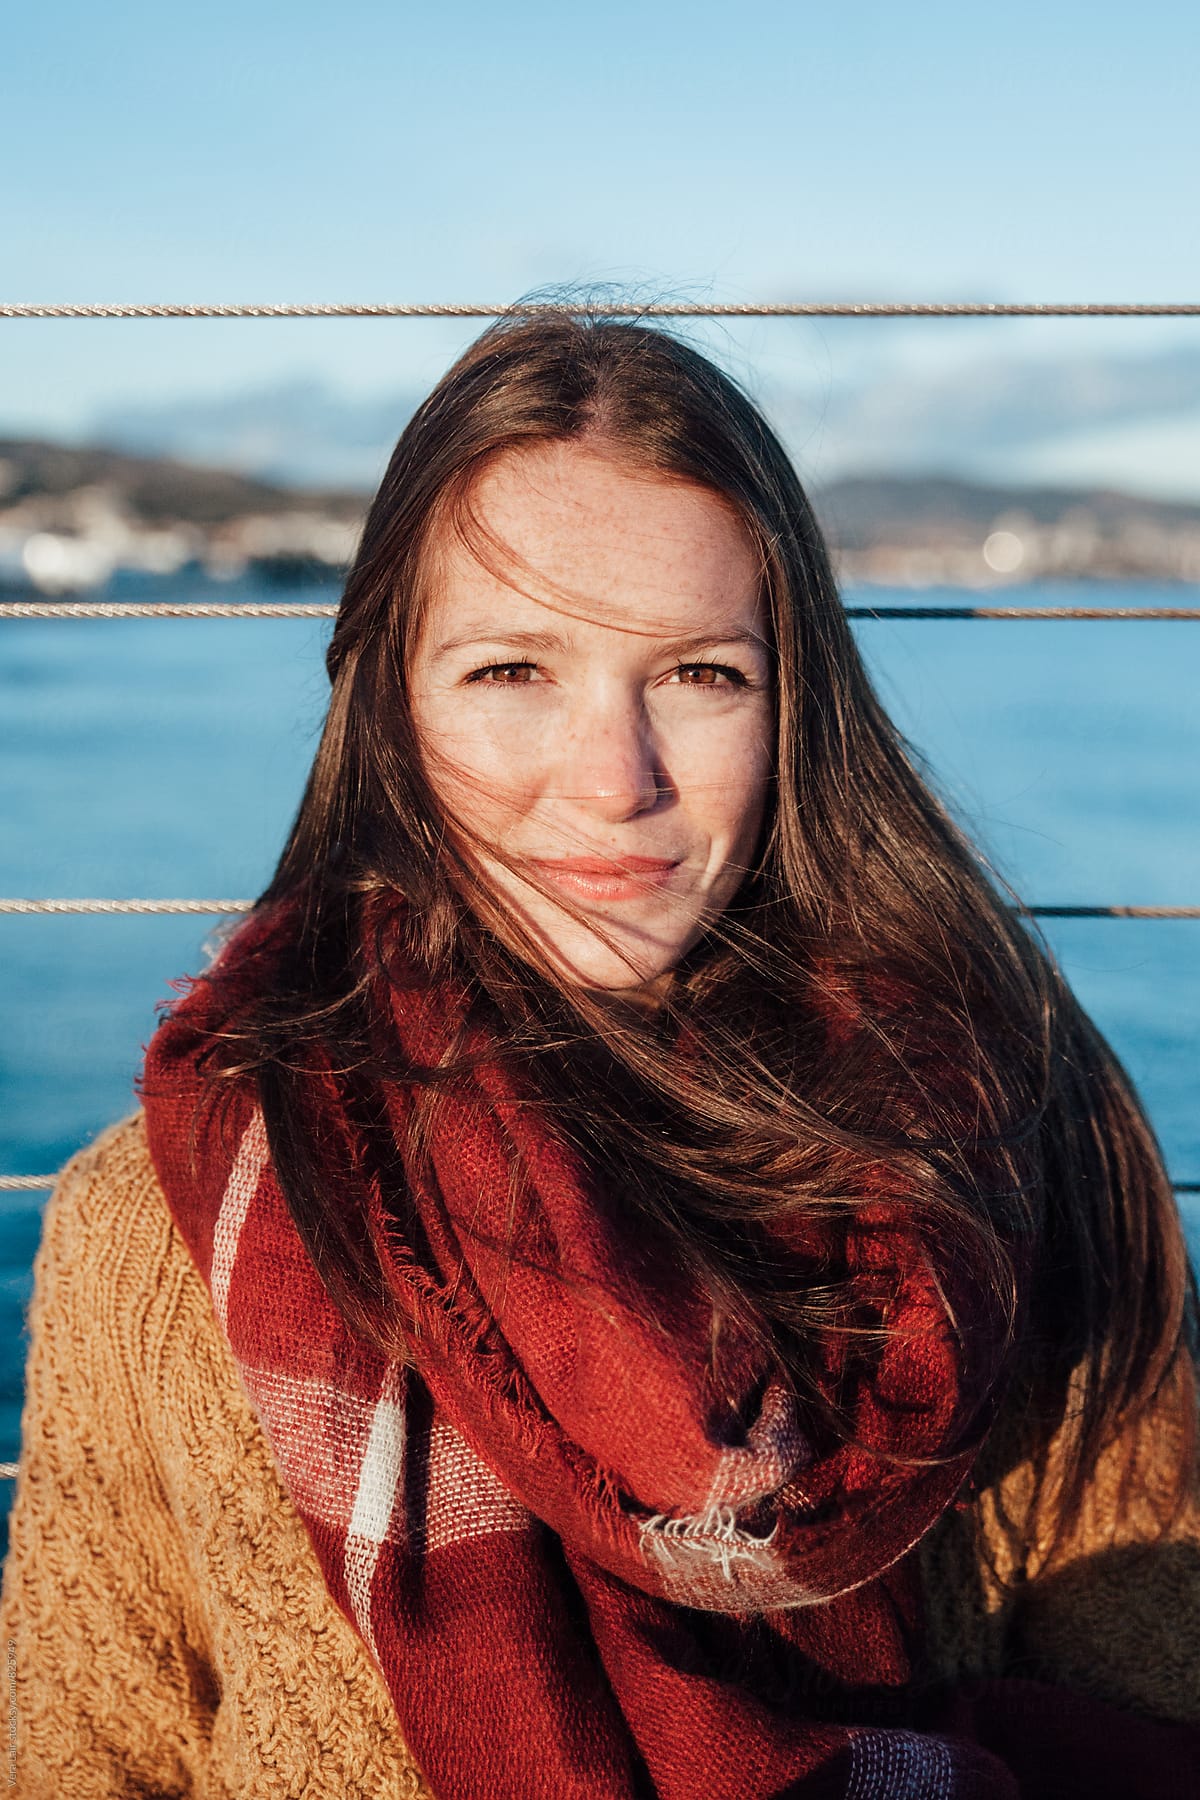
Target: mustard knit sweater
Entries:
(166, 1628)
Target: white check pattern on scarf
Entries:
(344, 1458)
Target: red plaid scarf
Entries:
(571, 1581)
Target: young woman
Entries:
(634, 1275)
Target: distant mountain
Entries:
(861, 510)
(857, 509)
(939, 531)
(72, 517)
(153, 490)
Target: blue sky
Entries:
(468, 152)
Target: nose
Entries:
(611, 766)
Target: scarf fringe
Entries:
(712, 1536)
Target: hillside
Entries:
(154, 489)
(73, 517)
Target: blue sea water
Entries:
(166, 758)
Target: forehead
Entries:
(568, 527)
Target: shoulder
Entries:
(156, 1555)
(107, 1234)
(117, 1301)
(126, 1357)
(111, 1175)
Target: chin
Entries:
(643, 955)
(585, 963)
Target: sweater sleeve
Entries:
(110, 1688)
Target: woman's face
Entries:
(599, 707)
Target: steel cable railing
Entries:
(621, 309)
(314, 609)
(18, 906)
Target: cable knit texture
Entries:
(1116, 1613)
(173, 1634)
(168, 1628)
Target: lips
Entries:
(606, 878)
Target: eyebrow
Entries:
(513, 640)
(549, 640)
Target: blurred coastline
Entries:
(74, 521)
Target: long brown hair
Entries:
(874, 1006)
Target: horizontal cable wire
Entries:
(306, 609)
(1111, 912)
(36, 1183)
(242, 906)
(154, 609)
(125, 906)
(8, 1471)
(681, 309)
(1023, 612)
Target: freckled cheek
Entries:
(484, 775)
(724, 780)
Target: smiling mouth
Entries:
(606, 878)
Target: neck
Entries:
(648, 998)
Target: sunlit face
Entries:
(599, 708)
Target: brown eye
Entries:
(505, 674)
(709, 675)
